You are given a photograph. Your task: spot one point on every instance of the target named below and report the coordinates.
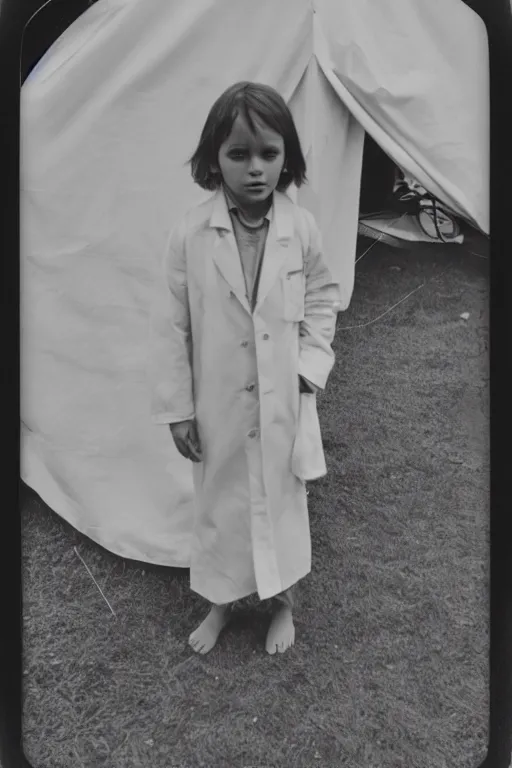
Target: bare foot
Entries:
(281, 633)
(203, 639)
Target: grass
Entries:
(390, 668)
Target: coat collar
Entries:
(225, 252)
(282, 214)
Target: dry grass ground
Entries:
(390, 668)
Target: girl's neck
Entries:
(252, 214)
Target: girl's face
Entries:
(251, 163)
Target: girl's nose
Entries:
(255, 168)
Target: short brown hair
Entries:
(271, 108)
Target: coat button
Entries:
(244, 344)
(253, 433)
(266, 336)
(250, 387)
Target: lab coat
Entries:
(237, 373)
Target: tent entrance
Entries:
(397, 210)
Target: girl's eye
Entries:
(236, 155)
(270, 154)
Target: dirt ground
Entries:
(390, 666)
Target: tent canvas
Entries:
(110, 116)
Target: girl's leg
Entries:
(203, 639)
(281, 633)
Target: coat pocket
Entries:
(308, 459)
(294, 286)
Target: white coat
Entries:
(236, 373)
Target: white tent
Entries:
(110, 116)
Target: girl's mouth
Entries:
(256, 185)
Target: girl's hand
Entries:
(186, 439)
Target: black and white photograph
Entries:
(255, 384)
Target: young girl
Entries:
(244, 324)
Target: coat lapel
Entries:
(225, 250)
(276, 248)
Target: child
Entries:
(246, 323)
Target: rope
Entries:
(395, 221)
(370, 322)
(390, 309)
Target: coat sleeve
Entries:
(317, 329)
(171, 340)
